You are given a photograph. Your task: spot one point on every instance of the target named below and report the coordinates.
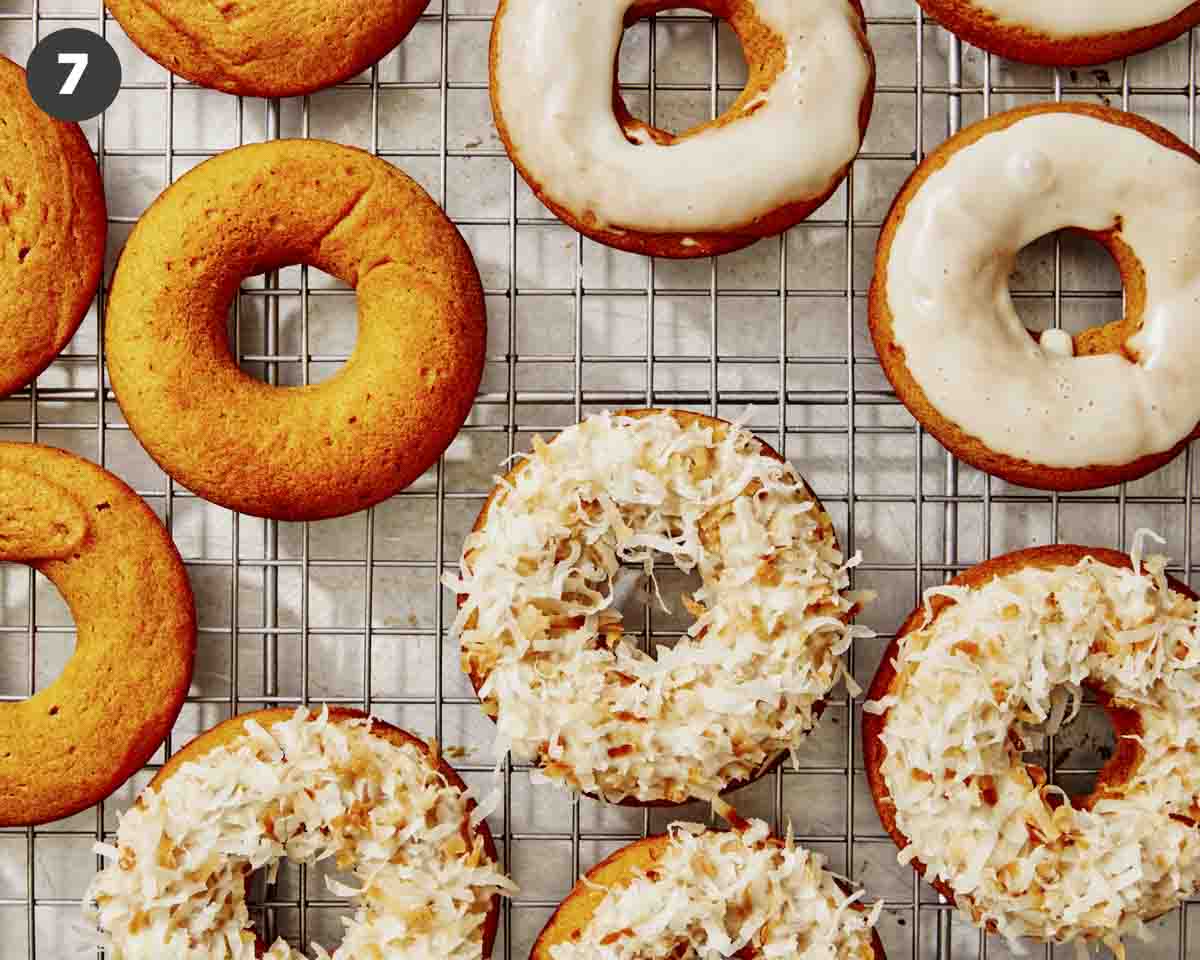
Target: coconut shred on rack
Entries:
(541, 638)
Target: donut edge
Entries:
(196, 64)
(1014, 42)
(230, 729)
(685, 417)
(578, 907)
(1115, 770)
(671, 245)
(891, 355)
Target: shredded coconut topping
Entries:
(537, 620)
(306, 789)
(1009, 656)
(726, 894)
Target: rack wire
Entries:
(351, 612)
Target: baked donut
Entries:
(765, 164)
(296, 453)
(1047, 411)
(1005, 647)
(307, 786)
(267, 48)
(696, 892)
(1065, 34)
(74, 742)
(544, 646)
(53, 226)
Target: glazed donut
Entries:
(296, 453)
(696, 892)
(1065, 34)
(1003, 648)
(74, 742)
(307, 786)
(53, 226)
(765, 164)
(267, 48)
(1114, 403)
(545, 649)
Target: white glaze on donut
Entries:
(1082, 18)
(553, 72)
(1011, 655)
(965, 345)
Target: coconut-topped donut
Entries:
(546, 649)
(1075, 33)
(693, 892)
(1009, 645)
(766, 163)
(309, 787)
(1047, 410)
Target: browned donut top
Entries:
(78, 739)
(298, 453)
(52, 231)
(267, 48)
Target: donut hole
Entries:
(1102, 290)
(1076, 755)
(654, 618)
(294, 327)
(274, 907)
(53, 636)
(702, 73)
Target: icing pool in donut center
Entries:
(264, 325)
(693, 49)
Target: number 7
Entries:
(79, 62)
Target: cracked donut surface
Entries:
(545, 646)
(297, 452)
(1011, 645)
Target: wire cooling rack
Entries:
(350, 611)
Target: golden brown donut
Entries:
(53, 226)
(478, 664)
(770, 56)
(300, 732)
(296, 453)
(73, 743)
(1123, 716)
(999, 28)
(1112, 339)
(267, 48)
(638, 859)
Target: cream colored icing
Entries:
(553, 74)
(947, 288)
(727, 894)
(1082, 18)
(1004, 658)
(537, 617)
(306, 789)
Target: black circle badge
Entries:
(73, 74)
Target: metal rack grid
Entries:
(574, 328)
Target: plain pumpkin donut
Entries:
(267, 48)
(296, 453)
(662, 897)
(1074, 34)
(308, 785)
(770, 160)
(1002, 648)
(53, 226)
(74, 742)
